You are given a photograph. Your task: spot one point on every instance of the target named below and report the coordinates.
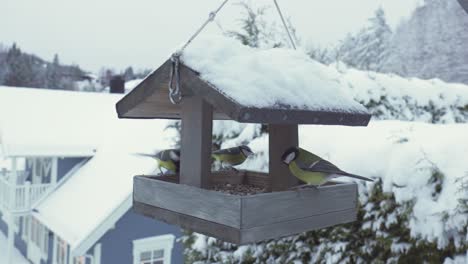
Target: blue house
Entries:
(66, 170)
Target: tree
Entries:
(432, 43)
(21, 72)
(53, 74)
(129, 74)
(259, 32)
(3, 64)
(369, 48)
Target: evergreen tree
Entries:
(259, 32)
(21, 71)
(3, 64)
(53, 74)
(369, 48)
(129, 74)
(432, 43)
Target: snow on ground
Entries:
(17, 257)
(404, 155)
(271, 78)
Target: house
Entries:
(66, 170)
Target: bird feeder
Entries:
(188, 200)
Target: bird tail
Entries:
(145, 155)
(358, 177)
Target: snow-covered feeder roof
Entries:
(248, 85)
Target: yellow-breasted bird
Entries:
(168, 159)
(312, 169)
(232, 156)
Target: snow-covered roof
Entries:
(248, 85)
(271, 78)
(39, 122)
(93, 195)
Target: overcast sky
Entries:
(142, 33)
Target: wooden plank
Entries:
(204, 204)
(196, 142)
(217, 177)
(198, 225)
(281, 137)
(144, 90)
(258, 179)
(289, 205)
(295, 116)
(281, 229)
(232, 177)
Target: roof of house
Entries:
(248, 85)
(63, 123)
(89, 203)
(40, 122)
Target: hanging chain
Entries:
(284, 24)
(175, 94)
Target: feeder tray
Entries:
(188, 200)
(244, 218)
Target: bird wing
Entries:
(329, 168)
(323, 166)
(231, 151)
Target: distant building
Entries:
(66, 169)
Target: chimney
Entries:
(117, 84)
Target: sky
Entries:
(143, 33)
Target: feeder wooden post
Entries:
(197, 122)
(282, 137)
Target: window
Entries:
(153, 250)
(80, 260)
(39, 235)
(152, 257)
(62, 252)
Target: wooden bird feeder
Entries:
(187, 199)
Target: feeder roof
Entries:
(248, 85)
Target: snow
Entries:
(39, 122)
(404, 155)
(410, 98)
(96, 190)
(18, 258)
(271, 78)
(60, 124)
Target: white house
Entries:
(66, 169)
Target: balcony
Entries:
(19, 198)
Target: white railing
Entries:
(18, 198)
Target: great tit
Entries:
(232, 156)
(312, 169)
(168, 159)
